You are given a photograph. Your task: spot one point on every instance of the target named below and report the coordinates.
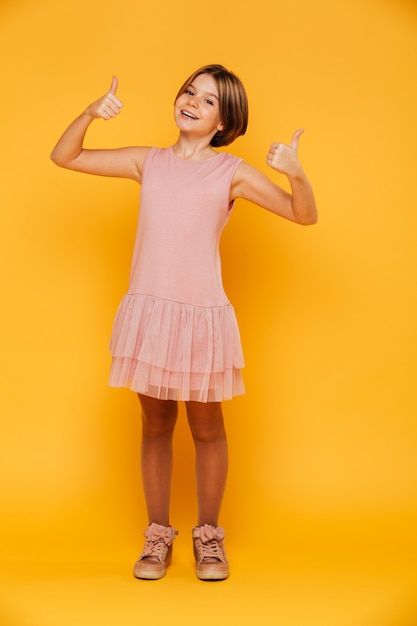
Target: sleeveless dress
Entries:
(175, 335)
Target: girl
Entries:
(175, 335)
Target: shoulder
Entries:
(229, 159)
(139, 154)
(227, 163)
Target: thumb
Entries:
(114, 85)
(296, 138)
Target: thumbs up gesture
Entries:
(109, 105)
(284, 158)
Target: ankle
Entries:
(208, 532)
(160, 532)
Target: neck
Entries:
(192, 150)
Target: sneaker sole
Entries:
(149, 575)
(212, 575)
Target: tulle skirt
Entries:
(175, 351)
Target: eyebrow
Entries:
(206, 93)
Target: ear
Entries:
(220, 126)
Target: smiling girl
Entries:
(175, 336)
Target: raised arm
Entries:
(298, 206)
(70, 153)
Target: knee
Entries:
(158, 425)
(207, 426)
(208, 434)
(159, 419)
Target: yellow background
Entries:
(321, 506)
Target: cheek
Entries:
(182, 98)
(178, 101)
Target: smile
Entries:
(189, 115)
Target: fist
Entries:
(284, 158)
(109, 105)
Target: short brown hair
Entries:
(233, 103)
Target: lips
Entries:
(188, 115)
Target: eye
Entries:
(209, 101)
(189, 92)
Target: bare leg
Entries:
(207, 427)
(158, 422)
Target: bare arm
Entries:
(298, 206)
(70, 153)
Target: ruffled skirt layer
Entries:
(175, 351)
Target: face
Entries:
(197, 109)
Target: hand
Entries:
(109, 105)
(284, 158)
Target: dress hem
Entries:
(155, 382)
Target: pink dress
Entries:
(175, 334)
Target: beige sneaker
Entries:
(209, 552)
(157, 552)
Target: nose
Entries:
(192, 100)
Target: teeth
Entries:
(192, 117)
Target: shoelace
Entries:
(156, 549)
(211, 550)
